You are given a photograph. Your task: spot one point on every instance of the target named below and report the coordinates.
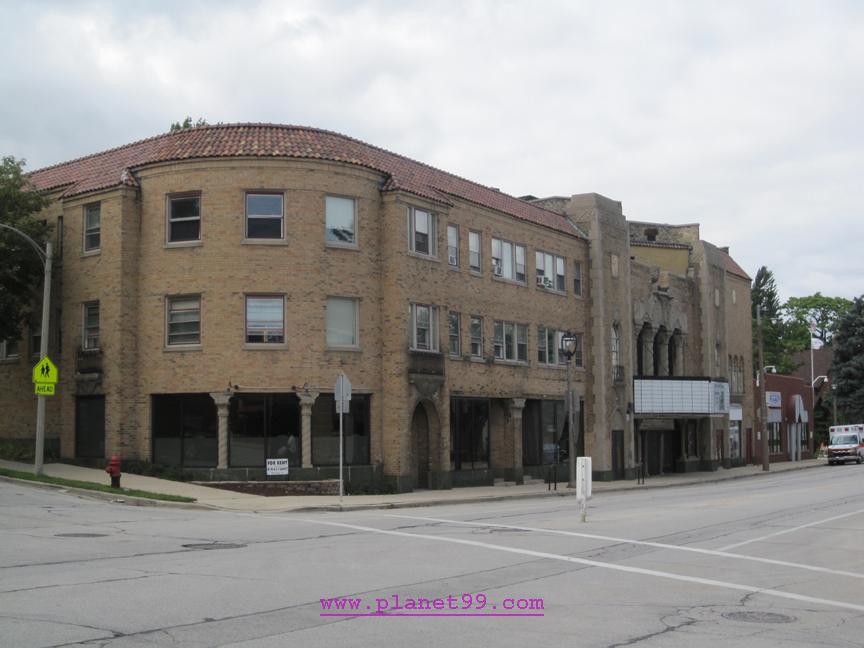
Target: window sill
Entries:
(91, 253)
(10, 361)
(351, 247)
(478, 359)
(182, 244)
(475, 272)
(426, 351)
(341, 349)
(265, 346)
(179, 348)
(514, 282)
(552, 291)
(455, 268)
(511, 363)
(263, 241)
(91, 350)
(425, 257)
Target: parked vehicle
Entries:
(846, 443)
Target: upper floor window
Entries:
(8, 349)
(91, 325)
(424, 327)
(616, 345)
(550, 271)
(453, 245)
(184, 320)
(511, 341)
(342, 322)
(508, 260)
(265, 320)
(548, 343)
(341, 220)
(92, 227)
(264, 216)
(476, 333)
(184, 218)
(423, 230)
(577, 278)
(454, 334)
(474, 256)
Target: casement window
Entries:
(508, 260)
(341, 220)
(424, 327)
(265, 319)
(264, 216)
(92, 227)
(577, 278)
(454, 335)
(183, 323)
(9, 349)
(511, 341)
(90, 338)
(184, 218)
(423, 232)
(476, 333)
(474, 255)
(342, 322)
(453, 245)
(550, 271)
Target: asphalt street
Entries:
(773, 561)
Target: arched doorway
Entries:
(420, 446)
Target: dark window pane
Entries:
(325, 432)
(265, 228)
(263, 205)
(90, 426)
(185, 230)
(185, 207)
(185, 430)
(247, 417)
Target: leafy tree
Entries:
(187, 123)
(823, 311)
(780, 339)
(848, 366)
(21, 269)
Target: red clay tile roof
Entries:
(732, 267)
(112, 168)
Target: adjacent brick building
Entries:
(212, 283)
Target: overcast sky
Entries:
(745, 117)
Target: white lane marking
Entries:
(595, 563)
(784, 531)
(645, 543)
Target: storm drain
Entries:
(80, 535)
(759, 617)
(207, 546)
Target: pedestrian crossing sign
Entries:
(45, 371)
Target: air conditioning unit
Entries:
(497, 270)
(451, 259)
(541, 281)
(547, 282)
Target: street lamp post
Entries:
(43, 345)
(763, 408)
(569, 346)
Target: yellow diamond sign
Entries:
(45, 371)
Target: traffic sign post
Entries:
(342, 396)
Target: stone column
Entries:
(517, 406)
(307, 400)
(222, 399)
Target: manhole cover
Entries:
(81, 535)
(759, 617)
(205, 546)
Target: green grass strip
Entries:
(102, 488)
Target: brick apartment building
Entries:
(212, 283)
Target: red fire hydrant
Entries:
(113, 469)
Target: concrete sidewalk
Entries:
(216, 498)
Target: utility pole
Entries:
(43, 346)
(763, 407)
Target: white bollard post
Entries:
(583, 484)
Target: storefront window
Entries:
(469, 433)
(264, 426)
(544, 432)
(185, 430)
(355, 431)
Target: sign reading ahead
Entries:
(45, 371)
(44, 389)
(277, 466)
